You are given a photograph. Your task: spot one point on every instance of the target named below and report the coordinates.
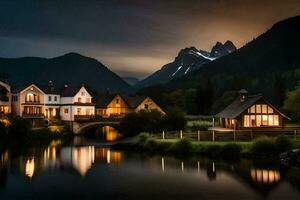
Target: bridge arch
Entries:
(81, 128)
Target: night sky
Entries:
(132, 38)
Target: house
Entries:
(29, 102)
(5, 98)
(138, 103)
(251, 111)
(76, 104)
(111, 105)
(52, 101)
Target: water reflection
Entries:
(105, 133)
(92, 163)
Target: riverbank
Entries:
(265, 148)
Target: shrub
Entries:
(143, 137)
(283, 143)
(263, 146)
(231, 150)
(150, 145)
(174, 120)
(182, 146)
(19, 126)
(212, 150)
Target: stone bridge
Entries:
(82, 127)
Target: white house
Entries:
(29, 102)
(76, 104)
(5, 98)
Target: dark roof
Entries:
(237, 107)
(134, 102)
(18, 89)
(70, 91)
(49, 89)
(103, 100)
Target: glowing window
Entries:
(66, 110)
(252, 109)
(246, 121)
(264, 120)
(252, 120)
(276, 120)
(270, 110)
(79, 99)
(258, 120)
(271, 120)
(264, 108)
(258, 108)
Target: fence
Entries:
(236, 135)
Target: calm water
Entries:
(90, 172)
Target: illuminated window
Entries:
(66, 110)
(82, 93)
(264, 108)
(252, 120)
(265, 120)
(79, 100)
(49, 98)
(258, 120)
(270, 110)
(78, 111)
(246, 121)
(252, 109)
(271, 120)
(258, 108)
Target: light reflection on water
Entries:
(91, 162)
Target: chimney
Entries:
(243, 95)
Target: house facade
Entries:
(251, 112)
(76, 104)
(143, 102)
(5, 98)
(112, 105)
(29, 102)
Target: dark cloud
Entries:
(132, 37)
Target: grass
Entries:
(261, 147)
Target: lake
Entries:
(95, 172)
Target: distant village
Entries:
(41, 104)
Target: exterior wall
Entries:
(83, 95)
(73, 111)
(151, 105)
(52, 105)
(15, 106)
(117, 107)
(52, 99)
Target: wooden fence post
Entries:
(213, 136)
(199, 136)
(163, 135)
(295, 134)
(180, 134)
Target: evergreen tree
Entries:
(279, 91)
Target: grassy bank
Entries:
(262, 147)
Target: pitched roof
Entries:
(19, 89)
(134, 102)
(238, 106)
(50, 89)
(69, 91)
(103, 100)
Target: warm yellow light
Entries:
(29, 168)
(265, 176)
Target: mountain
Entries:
(187, 60)
(71, 68)
(258, 66)
(131, 80)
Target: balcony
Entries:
(32, 102)
(33, 115)
(84, 117)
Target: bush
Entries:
(212, 150)
(143, 137)
(150, 145)
(283, 143)
(174, 120)
(19, 126)
(264, 146)
(231, 151)
(183, 146)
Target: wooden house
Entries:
(251, 111)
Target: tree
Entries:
(279, 91)
(205, 98)
(174, 120)
(190, 103)
(292, 103)
(19, 127)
